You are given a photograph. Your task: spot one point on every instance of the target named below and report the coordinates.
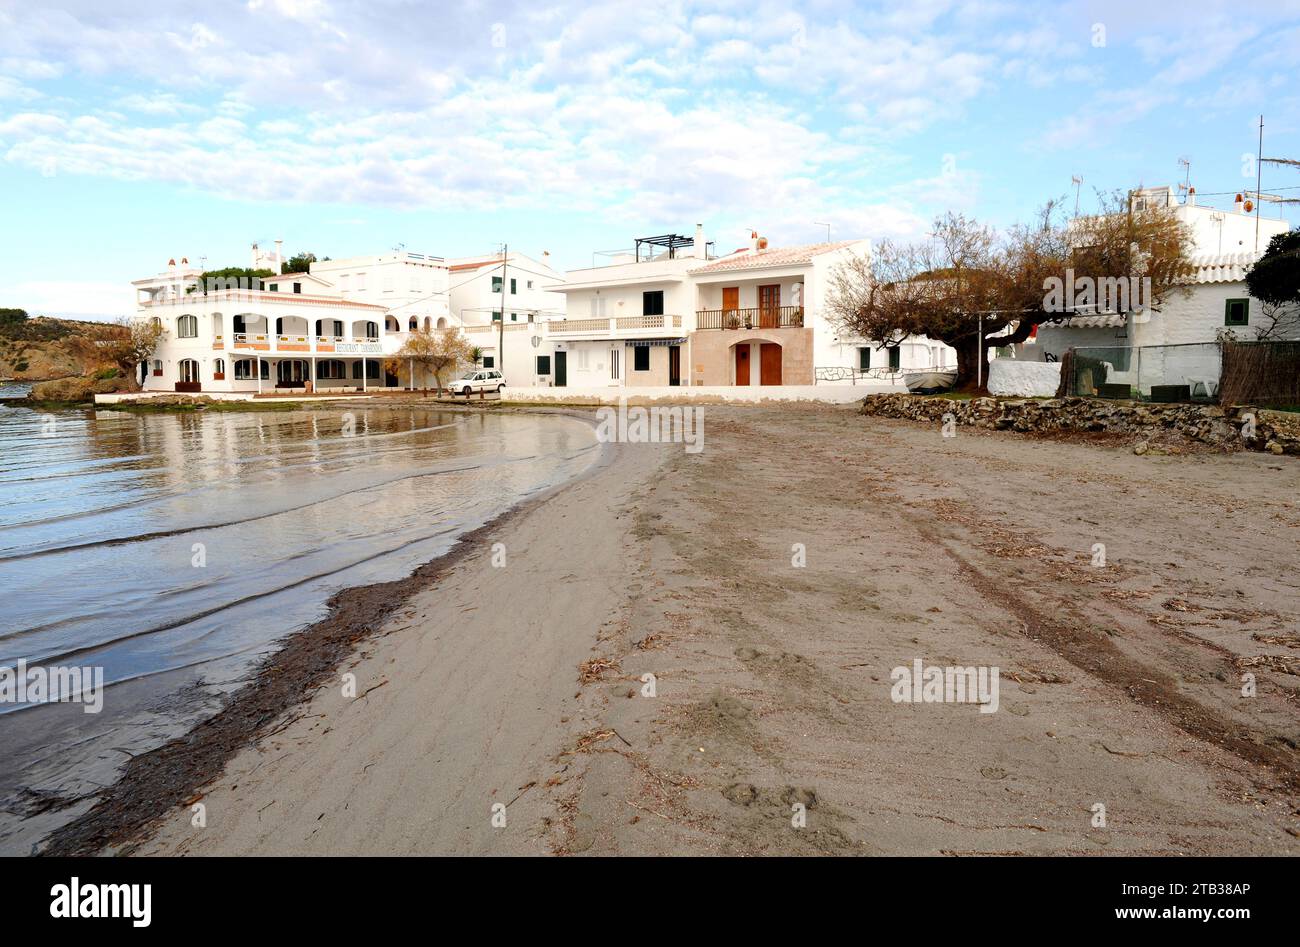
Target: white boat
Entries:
(928, 382)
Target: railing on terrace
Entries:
(762, 317)
(613, 325)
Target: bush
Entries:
(106, 373)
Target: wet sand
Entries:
(522, 685)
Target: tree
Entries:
(1275, 281)
(136, 345)
(435, 351)
(12, 317)
(300, 262)
(968, 276)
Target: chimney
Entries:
(254, 256)
(1236, 203)
(279, 256)
(753, 241)
(1191, 197)
(701, 248)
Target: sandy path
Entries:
(1120, 685)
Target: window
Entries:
(512, 286)
(239, 325)
(641, 358)
(597, 306)
(489, 361)
(388, 284)
(189, 370)
(297, 287)
(413, 323)
(496, 284)
(361, 282)
(157, 366)
(331, 368)
(894, 362)
(372, 369)
(543, 364)
(652, 303)
(514, 317)
(530, 284)
(613, 364)
(187, 327)
(218, 369)
(244, 369)
(1236, 312)
(496, 317)
(864, 358)
(372, 330)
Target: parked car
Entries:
(485, 379)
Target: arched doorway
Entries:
(291, 373)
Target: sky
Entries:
(131, 133)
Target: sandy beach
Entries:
(521, 683)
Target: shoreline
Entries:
(522, 686)
(167, 775)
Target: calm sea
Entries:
(174, 550)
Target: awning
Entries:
(648, 342)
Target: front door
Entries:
(561, 369)
(742, 364)
(769, 306)
(730, 298)
(769, 364)
(674, 364)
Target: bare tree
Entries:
(435, 351)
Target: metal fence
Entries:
(1133, 371)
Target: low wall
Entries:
(704, 394)
(1014, 378)
(1226, 428)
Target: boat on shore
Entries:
(929, 382)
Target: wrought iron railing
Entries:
(761, 317)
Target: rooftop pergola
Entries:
(672, 242)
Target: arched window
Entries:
(372, 330)
(442, 323)
(218, 369)
(187, 327)
(413, 323)
(372, 369)
(428, 323)
(157, 366)
(189, 370)
(390, 324)
(292, 371)
(331, 368)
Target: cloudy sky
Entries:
(131, 132)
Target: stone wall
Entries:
(1225, 428)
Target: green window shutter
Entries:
(496, 284)
(512, 286)
(895, 356)
(864, 359)
(1236, 312)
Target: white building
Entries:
(485, 293)
(671, 313)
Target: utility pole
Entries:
(1259, 180)
(501, 334)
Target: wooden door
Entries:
(674, 365)
(730, 298)
(769, 364)
(769, 306)
(742, 364)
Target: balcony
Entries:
(617, 327)
(763, 317)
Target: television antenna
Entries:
(1077, 181)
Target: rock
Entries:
(1273, 447)
(1140, 447)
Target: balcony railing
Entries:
(614, 327)
(763, 317)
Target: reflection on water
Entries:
(173, 550)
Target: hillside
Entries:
(40, 348)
